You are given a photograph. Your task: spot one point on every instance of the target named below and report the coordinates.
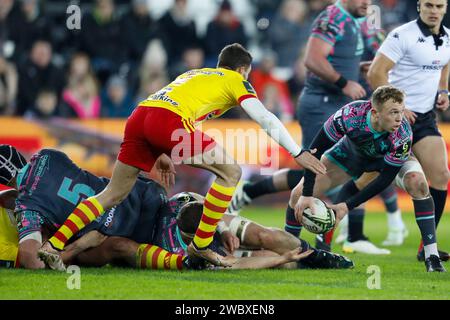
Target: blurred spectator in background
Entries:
(45, 106)
(116, 100)
(296, 82)
(37, 73)
(153, 71)
(395, 13)
(139, 28)
(102, 39)
(289, 32)
(223, 30)
(274, 102)
(80, 99)
(8, 86)
(10, 17)
(192, 58)
(278, 99)
(179, 29)
(79, 67)
(316, 6)
(34, 25)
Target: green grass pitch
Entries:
(401, 277)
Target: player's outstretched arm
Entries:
(274, 128)
(91, 239)
(387, 175)
(272, 261)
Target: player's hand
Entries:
(410, 116)
(296, 254)
(166, 169)
(302, 204)
(230, 241)
(442, 102)
(308, 161)
(354, 90)
(340, 211)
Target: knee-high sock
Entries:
(86, 212)
(292, 225)
(149, 256)
(216, 202)
(260, 188)
(424, 211)
(439, 198)
(390, 199)
(356, 224)
(294, 177)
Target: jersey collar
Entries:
(369, 124)
(426, 32)
(183, 245)
(21, 174)
(340, 7)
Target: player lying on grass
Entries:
(158, 124)
(51, 183)
(370, 141)
(257, 247)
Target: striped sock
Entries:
(292, 226)
(424, 211)
(389, 196)
(86, 212)
(216, 202)
(153, 257)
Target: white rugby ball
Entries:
(322, 221)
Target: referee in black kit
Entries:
(415, 58)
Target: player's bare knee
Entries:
(440, 178)
(416, 185)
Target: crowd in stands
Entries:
(126, 50)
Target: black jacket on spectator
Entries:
(139, 31)
(103, 41)
(219, 35)
(177, 38)
(8, 30)
(33, 79)
(30, 31)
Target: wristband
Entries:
(303, 150)
(443, 91)
(222, 227)
(341, 83)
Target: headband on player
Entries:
(11, 161)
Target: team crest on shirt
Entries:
(404, 151)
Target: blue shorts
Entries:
(136, 217)
(425, 126)
(314, 110)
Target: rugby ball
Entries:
(322, 221)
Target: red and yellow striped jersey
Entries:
(202, 94)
